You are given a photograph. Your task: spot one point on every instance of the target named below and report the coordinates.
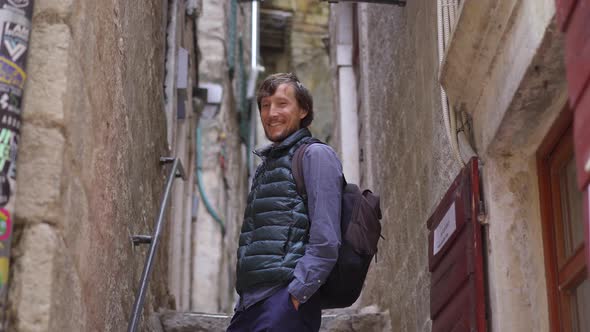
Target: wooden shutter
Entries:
(455, 254)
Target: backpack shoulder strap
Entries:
(297, 166)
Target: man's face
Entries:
(280, 113)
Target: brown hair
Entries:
(302, 95)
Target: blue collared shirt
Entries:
(322, 172)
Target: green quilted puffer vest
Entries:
(275, 226)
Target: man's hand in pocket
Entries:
(295, 302)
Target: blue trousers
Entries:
(277, 313)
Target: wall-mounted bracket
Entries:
(401, 3)
(179, 169)
(141, 239)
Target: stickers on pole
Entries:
(15, 28)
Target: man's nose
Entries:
(273, 111)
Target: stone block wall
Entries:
(307, 57)
(405, 155)
(88, 172)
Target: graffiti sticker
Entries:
(10, 121)
(4, 190)
(9, 103)
(15, 39)
(8, 143)
(19, 3)
(5, 224)
(11, 74)
(13, 98)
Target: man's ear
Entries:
(302, 113)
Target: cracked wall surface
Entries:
(406, 156)
(88, 172)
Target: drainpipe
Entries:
(171, 64)
(254, 37)
(255, 69)
(15, 19)
(347, 93)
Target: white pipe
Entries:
(254, 69)
(347, 94)
(349, 138)
(170, 79)
(254, 50)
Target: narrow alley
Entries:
(140, 132)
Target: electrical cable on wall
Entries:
(202, 192)
(446, 19)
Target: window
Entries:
(563, 231)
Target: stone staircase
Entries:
(367, 319)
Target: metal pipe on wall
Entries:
(15, 23)
(254, 37)
(254, 70)
(347, 93)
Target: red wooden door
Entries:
(574, 20)
(455, 257)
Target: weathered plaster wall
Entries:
(181, 53)
(223, 164)
(88, 169)
(525, 92)
(406, 158)
(405, 154)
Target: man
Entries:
(288, 243)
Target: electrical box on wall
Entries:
(455, 257)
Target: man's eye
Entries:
(265, 105)
(282, 104)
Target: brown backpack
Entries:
(361, 230)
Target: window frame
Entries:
(562, 273)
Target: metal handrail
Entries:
(176, 171)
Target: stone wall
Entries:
(405, 156)
(88, 171)
(517, 95)
(307, 57)
(525, 92)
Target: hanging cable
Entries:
(204, 197)
(446, 18)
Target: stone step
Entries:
(364, 320)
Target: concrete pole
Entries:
(15, 28)
(347, 93)
(178, 221)
(175, 240)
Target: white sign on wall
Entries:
(445, 229)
